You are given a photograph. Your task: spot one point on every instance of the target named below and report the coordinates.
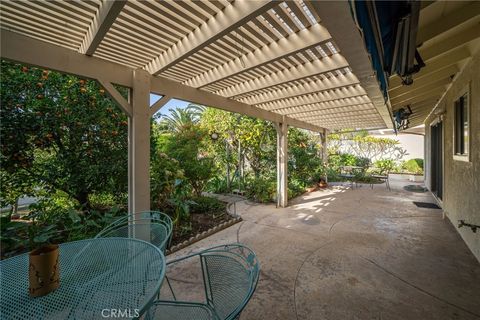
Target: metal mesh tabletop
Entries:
(95, 275)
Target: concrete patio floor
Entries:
(344, 253)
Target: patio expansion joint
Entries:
(333, 225)
(359, 200)
(418, 288)
(238, 230)
(298, 273)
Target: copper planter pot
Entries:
(43, 270)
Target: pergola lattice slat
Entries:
(232, 17)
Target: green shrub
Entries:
(336, 161)
(333, 175)
(295, 188)
(186, 147)
(261, 189)
(362, 162)
(102, 200)
(206, 205)
(217, 184)
(165, 172)
(413, 166)
(384, 166)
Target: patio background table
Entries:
(95, 274)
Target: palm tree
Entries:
(179, 119)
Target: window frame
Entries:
(465, 92)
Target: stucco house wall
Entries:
(461, 179)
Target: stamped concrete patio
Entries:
(344, 253)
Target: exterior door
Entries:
(437, 160)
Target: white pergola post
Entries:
(323, 137)
(282, 164)
(139, 144)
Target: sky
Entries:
(172, 104)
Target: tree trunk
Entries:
(15, 207)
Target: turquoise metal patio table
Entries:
(97, 277)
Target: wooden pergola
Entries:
(295, 63)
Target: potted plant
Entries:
(43, 268)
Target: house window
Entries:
(461, 127)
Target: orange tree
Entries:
(60, 132)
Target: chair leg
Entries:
(171, 289)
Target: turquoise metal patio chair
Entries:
(153, 226)
(230, 276)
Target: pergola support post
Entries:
(282, 164)
(323, 137)
(139, 144)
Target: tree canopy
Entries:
(60, 132)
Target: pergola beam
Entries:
(435, 92)
(422, 82)
(341, 110)
(284, 47)
(420, 90)
(332, 125)
(450, 43)
(303, 71)
(315, 98)
(26, 50)
(341, 103)
(433, 65)
(308, 107)
(419, 104)
(179, 91)
(103, 20)
(344, 117)
(450, 21)
(315, 86)
(116, 96)
(159, 104)
(232, 17)
(17, 47)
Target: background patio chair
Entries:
(383, 177)
(379, 174)
(153, 226)
(351, 174)
(230, 276)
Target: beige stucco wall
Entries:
(461, 195)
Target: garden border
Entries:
(234, 218)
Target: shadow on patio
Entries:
(344, 253)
